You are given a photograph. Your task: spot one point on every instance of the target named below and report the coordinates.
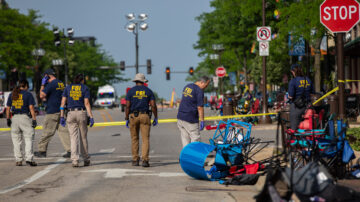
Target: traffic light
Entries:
(57, 40)
(148, 66)
(122, 65)
(191, 71)
(167, 71)
(70, 32)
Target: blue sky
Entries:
(168, 41)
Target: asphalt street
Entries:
(111, 176)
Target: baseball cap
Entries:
(49, 72)
(293, 66)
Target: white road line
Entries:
(13, 159)
(33, 178)
(107, 150)
(119, 173)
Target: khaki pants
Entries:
(51, 124)
(21, 129)
(189, 132)
(140, 124)
(77, 124)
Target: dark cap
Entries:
(293, 66)
(49, 72)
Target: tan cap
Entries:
(140, 77)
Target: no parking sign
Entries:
(264, 48)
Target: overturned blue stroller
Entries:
(228, 147)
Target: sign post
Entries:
(220, 72)
(264, 36)
(340, 17)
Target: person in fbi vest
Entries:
(138, 118)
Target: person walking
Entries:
(138, 118)
(77, 98)
(191, 108)
(51, 91)
(300, 88)
(21, 103)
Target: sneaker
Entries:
(19, 163)
(75, 164)
(145, 164)
(40, 154)
(135, 163)
(31, 163)
(87, 163)
(67, 155)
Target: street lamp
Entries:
(57, 42)
(37, 53)
(133, 26)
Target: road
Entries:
(111, 176)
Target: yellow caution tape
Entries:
(122, 123)
(327, 94)
(348, 80)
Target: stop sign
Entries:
(339, 16)
(220, 71)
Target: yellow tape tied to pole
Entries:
(122, 123)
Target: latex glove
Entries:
(34, 123)
(44, 80)
(62, 121)
(127, 123)
(9, 122)
(202, 125)
(155, 122)
(92, 122)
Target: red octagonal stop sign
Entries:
(220, 71)
(339, 16)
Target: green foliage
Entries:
(354, 132)
(233, 23)
(21, 34)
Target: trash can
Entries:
(333, 102)
(228, 108)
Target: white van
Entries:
(106, 97)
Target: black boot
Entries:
(40, 154)
(67, 155)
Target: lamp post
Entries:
(37, 53)
(133, 26)
(57, 41)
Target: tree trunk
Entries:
(317, 66)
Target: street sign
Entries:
(220, 71)
(216, 81)
(264, 48)
(339, 16)
(263, 33)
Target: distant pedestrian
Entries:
(77, 98)
(51, 92)
(191, 109)
(21, 104)
(300, 88)
(138, 118)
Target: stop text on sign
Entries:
(343, 12)
(339, 16)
